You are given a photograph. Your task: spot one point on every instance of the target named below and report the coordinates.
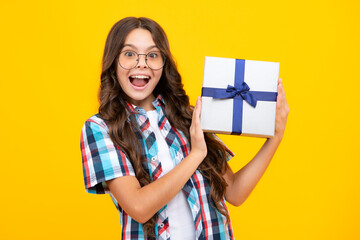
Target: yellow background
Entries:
(50, 66)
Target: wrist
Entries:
(276, 139)
(198, 154)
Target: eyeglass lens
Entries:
(129, 59)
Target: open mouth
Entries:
(139, 81)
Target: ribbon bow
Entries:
(237, 92)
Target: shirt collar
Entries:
(158, 101)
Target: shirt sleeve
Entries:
(101, 159)
(228, 152)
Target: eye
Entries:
(153, 55)
(129, 53)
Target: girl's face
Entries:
(139, 83)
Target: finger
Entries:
(283, 96)
(197, 111)
(195, 114)
(281, 86)
(280, 98)
(194, 110)
(279, 94)
(199, 104)
(281, 91)
(282, 105)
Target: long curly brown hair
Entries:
(115, 112)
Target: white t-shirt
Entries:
(181, 223)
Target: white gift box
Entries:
(225, 86)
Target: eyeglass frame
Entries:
(137, 59)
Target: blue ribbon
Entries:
(239, 92)
(233, 92)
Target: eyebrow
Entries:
(133, 46)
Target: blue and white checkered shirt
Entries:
(103, 161)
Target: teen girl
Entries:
(146, 147)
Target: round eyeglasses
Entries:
(129, 59)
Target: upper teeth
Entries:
(140, 76)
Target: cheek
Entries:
(122, 76)
(158, 74)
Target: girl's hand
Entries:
(282, 111)
(198, 145)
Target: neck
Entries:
(146, 104)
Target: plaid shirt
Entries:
(103, 161)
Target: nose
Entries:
(142, 61)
